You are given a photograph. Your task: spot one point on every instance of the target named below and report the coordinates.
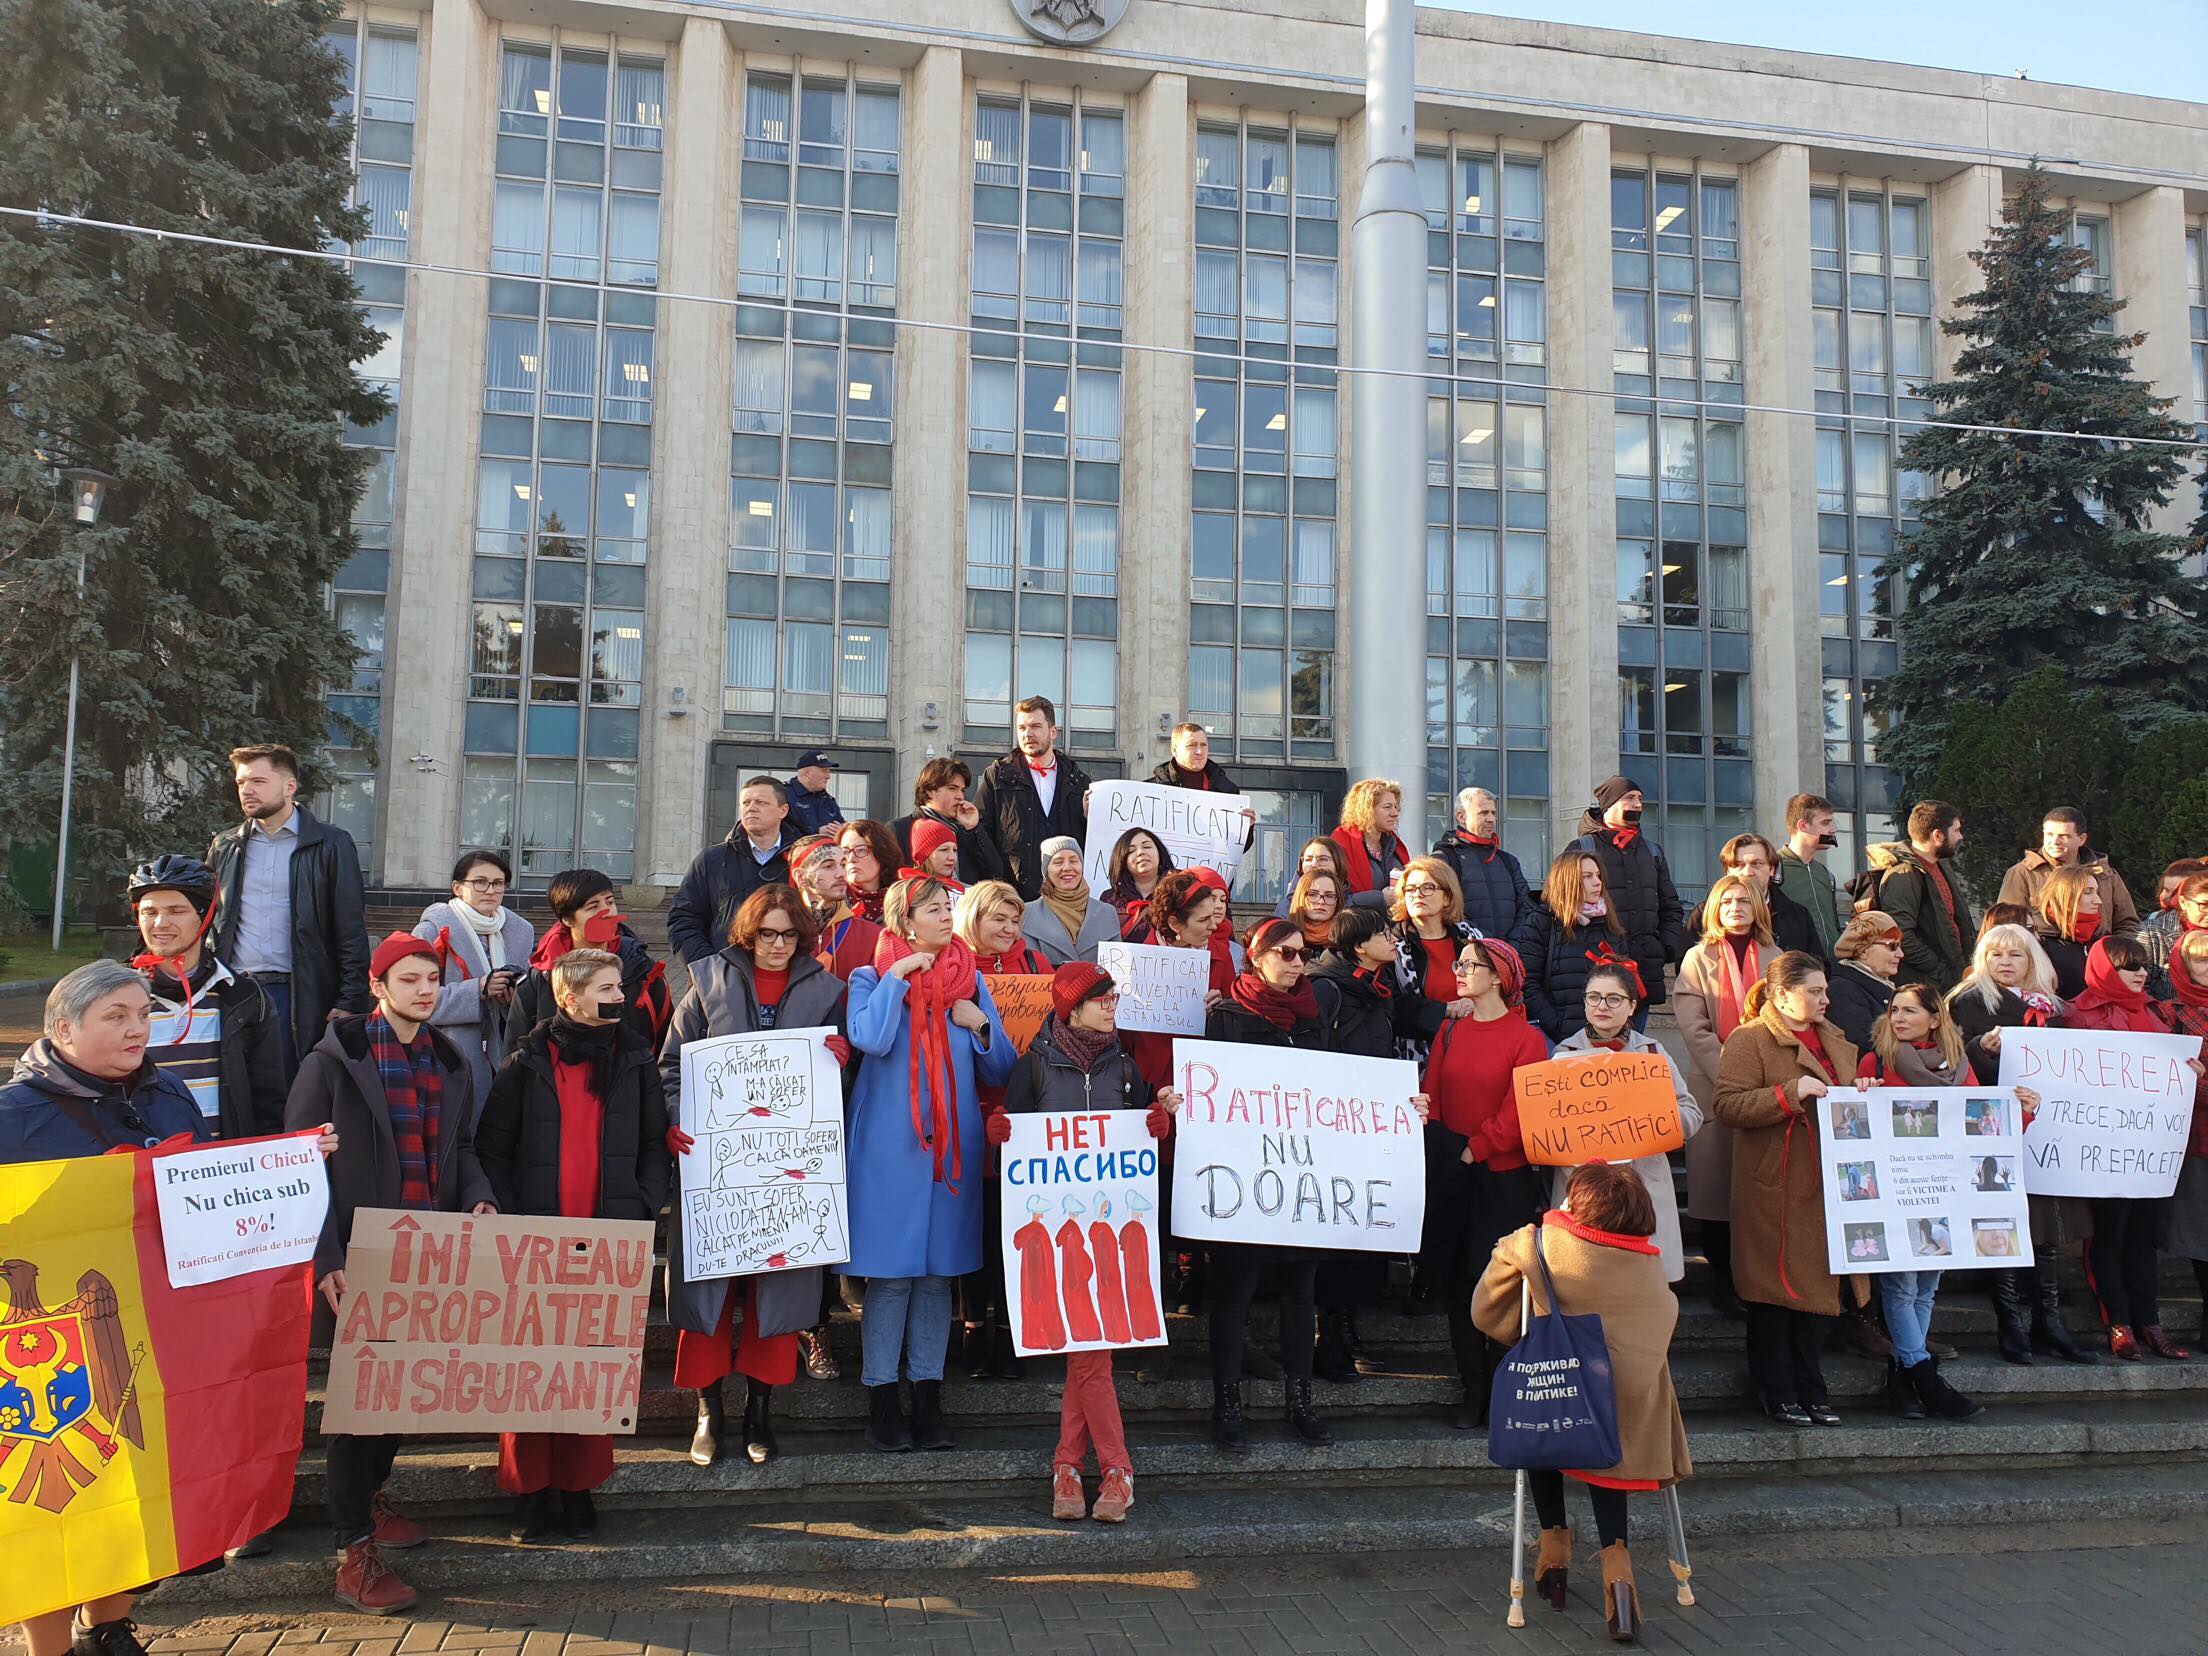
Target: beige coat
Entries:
(1778, 1188)
(1695, 998)
(1654, 1171)
(1619, 1279)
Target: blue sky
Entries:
(2161, 48)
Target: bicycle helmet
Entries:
(186, 875)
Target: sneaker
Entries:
(820, 1362)
(108, 1638)
(1786, 1414)
(366, 1582)
(1066, 1500)
(1824, 1414)
(1117, 1495)
(395, 1531)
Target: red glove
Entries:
(679, 1143)
(1159, 1120)
(996, 1127)
(839, 1049)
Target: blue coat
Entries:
(34, 1128)
(1496, 901)
(904, 1224)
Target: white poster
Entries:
(2114, 1109)
(1923, 1179)
(1161, 990)
(1080, 1233)
(1197, 829)
(763, 1187)
(241, 1205)
(1297, 1148)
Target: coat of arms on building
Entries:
(1070, 22)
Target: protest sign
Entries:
(1597, 1106)
(1161, 990)
(1080, 1232)
(1300, 1148)
(241, 1205)
(763, 1189)
(2114, 1109)
(1198, 829)
(1923, 1179)
(456, 1322)
(1023, 1004)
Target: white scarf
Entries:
(490, 930)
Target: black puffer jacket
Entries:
(1858, 997)
(977, 857)
(643, 982)
(1557, 963)
(1974, 1021)
(1638, 884)
(1228, 1022)
(518, 1139)
(1496, 898)
(1356, 1017)
(329, 926)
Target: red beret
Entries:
(1075, 982)
(396, 948)
(928, 837)
(1210, 877)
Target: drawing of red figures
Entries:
(1144, 1322)
(1075, 1271)
(1111, 1294)
(1041, 1328)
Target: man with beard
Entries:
(1916, 884)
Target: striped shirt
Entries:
(192, 1052)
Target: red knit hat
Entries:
(928, 837)
(1210, 877)
(1075, 982)
(396, 948)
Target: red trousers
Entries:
(530, 1461)
(703, 1360)
(1090, 1413)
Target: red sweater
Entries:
(1468, 1076)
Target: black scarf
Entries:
(578, 1043)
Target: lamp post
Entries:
(89, 491)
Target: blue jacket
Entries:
(812, 812)
(34, 1127)
(1496, 901)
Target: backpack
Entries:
(1863, 889)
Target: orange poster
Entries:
(1023, 1003)
(1597, 1106)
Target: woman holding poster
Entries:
(2186, 1012)
(1068, 923)
(1139, 862)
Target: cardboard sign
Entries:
(1198, 829)
(1161, 990)
(1597, 1106)
(241, 1205)
(1023, 1004)
(1080, 1233)
(1297, 1148)
(2114, 1109)
(456, 1322)
(1923, 1179)
(763, 1189)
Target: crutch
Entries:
(1676, 1524)
(1517, 1615)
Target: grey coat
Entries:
(477, 1029)
(723, 1001)
(1041, 926)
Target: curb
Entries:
(34, 990)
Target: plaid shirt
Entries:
(413, 1093)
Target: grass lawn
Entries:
(26, 958)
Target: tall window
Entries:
(2196, 301)
(379, 67)
(2094, 232)
(1043, 417)
(1871, 292)
(563, 512)
(1684, 722)
(811, 408)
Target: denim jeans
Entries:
(1907, 1298)
(908, 1317)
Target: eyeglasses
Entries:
(1465, 968)
(1420, 888)
(775, 934)
(484, 885)
(1608, 1002)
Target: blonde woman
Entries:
(1371, 849)
(987, 918)
(2070, 921)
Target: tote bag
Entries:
(1554, 1404)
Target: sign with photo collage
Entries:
(1923, 1179)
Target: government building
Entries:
(831, 375)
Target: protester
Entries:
(1497, 902)
(1313, 906)
(1185, 911)
(1571, 928)
(1783, 1058)
(213, 1030)
(2185, 1228)
(1637, 878)
(1480, 1186)
(1613, 996)
(1802, 875)
(813, 809)
(2069, 919)
(2180, 906)
(402, 1100)
(490, 946)
(928, 1024)
(940, 796)
(1758, 859)
(1192, 766)
(2123, 1261)
(935, 855)
(1912, 883)
(1597, 1250)
(1370, 849)
(1067, 923)
(765, 977)
(1138, 862)
(576, 1127)
(1869, 956)
(871, 859)
(1322, 852)
(1430, 932)
(2062, 844)
(586, 914)
(292, 912)
(755, 853)
(1077, 1063)
(845, 939)
(1032, 794)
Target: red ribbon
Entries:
(175, 963)
(1603, 955)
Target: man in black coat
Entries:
(1033, 794)
(1496, 899)
(940, 795)
(756, 853)
(1193, 767)
(1637, 878)
(293, 915)
(1756, 859)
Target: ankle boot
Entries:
(2048, 1334)
(1901, 1392)
(928, 1430)
(1620, 1602)
(1226, 1417)
(705, 1442)
(2014, 1335)
(2152, 1337)
(885, 1420)
(1303, 1420)
(1939, 1397)
(1332, 1358)
(759, 1444)
(1552, 1565)
(536, 1518)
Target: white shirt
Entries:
(1046, 782)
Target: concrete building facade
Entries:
(777, 377)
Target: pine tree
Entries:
(2037, 551)
(214, 384)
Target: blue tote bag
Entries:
(1554, 1404)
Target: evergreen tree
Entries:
(214, 384)
(2036, 551)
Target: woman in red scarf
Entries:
(2186, 1012)
(870, 863)
(1138, 862)
(1371, 850)
(2068, 921)
(2124, 1257)
(1312, 905)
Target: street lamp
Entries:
(89, 491)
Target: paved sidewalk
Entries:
(2052, 1589)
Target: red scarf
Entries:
(1736, 970)
(2104, 986)
(2085, 928)
(1623, 837)
(1465, 836)
(1281, 1008)
(908, 872)
(2188, 993)
(867, 905)
(929, 997)
(1018, 961)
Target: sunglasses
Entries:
(1290, 954)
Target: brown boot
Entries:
(365, 1582)
(1620, 1602)
(1552, 1564)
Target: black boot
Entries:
(1941, 1398)
(2014, 1334)
(885, 1420)
(1004, 1358)
(1303, 1420)
(705, 1442)
(536, 1518)
(581, 1514)
(1901, 1392)
(1226, 1417)
(2048, 1334)
(759, 1444)
(1333, 1358)
(976, 1344)
(928, 1430)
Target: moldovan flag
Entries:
(144, 1429)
